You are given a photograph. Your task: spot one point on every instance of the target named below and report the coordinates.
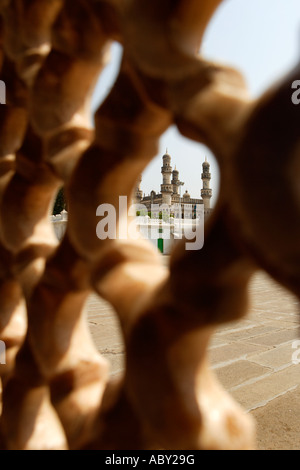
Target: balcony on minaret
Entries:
(167, 188)
(206, 193)
(166, 169)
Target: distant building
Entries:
(170, 192)
(167, 217)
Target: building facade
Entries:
(170, 195)
(168, 217)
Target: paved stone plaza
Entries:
(252, 358)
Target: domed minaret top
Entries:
(206, 164)
(166, 160)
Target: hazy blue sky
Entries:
(259, 37)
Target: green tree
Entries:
(60, 202)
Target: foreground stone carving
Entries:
(56, 388)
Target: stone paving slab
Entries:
(252, 358)
(251, 332)
(240, 372)
(105, 331)
(223, 355)
(275, 339)
(278, 423)
(276, 358)
(265, 389)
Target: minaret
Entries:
(138, 193)
(176, 183)
(206, 192)
(166, 187)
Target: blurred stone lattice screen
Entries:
(56, 389)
